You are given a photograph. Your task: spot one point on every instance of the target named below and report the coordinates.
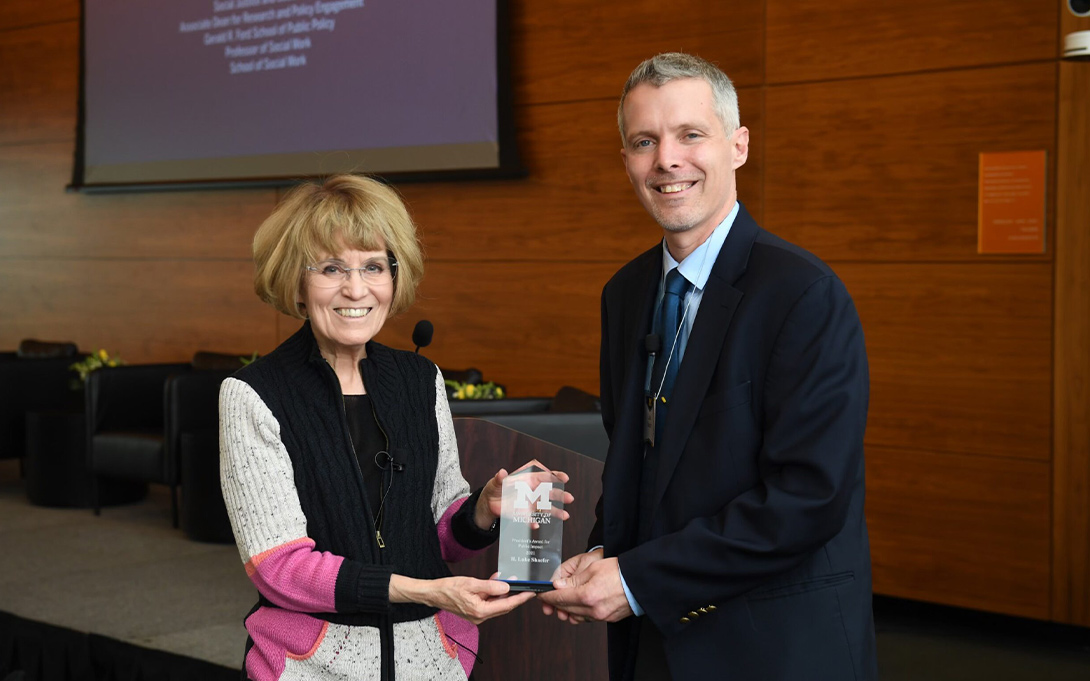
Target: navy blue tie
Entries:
(670, 318)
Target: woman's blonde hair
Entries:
(315, 221)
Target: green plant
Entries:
(92, 362)
(458, 390)
(249, 360)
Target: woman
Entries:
(339, 463)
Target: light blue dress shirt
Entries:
(696, 268)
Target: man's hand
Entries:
(593, 592)
(568, 568)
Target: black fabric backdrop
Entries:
(48, 653)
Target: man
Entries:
(730, 541)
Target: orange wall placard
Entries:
(1012, 203)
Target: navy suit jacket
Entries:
(758, 566)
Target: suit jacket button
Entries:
(694, 614)
(704, 611)
(684, 620)
(711, 608)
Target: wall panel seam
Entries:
(975, 455)
(27, 27)
(921, 72)
(41, 142)
(1032, 260)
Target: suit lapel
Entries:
(637, 325)
(705, 345)
(621, 475)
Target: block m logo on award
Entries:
(524, 496)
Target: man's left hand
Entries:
(594, 593)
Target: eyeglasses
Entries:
(378, 272)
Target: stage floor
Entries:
(129, 576)
(125, 574)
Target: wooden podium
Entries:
(526, 644)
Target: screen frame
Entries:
(510, 162)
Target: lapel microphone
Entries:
(384, 459)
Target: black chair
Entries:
(469, 375)
(573, 400)
(30, 348)
(156, 423)
(125, 427)
(192, 439)
(34, 378)
(224, 362)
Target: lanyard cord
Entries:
(670, 357)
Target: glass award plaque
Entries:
(531, 532)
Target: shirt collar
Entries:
(697, 267)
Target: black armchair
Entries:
(35, 378)
(569, 400)
(192, 440)
(470, 375)
(30, 348)
(125, 427)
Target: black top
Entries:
(368, 441)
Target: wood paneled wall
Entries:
(875, 114)
(152, 276)
(1071, 469)
(866, 119)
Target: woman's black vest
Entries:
(304, 395)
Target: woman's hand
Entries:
(473, 599)
(490, 503)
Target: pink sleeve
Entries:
(295, 576)
(451, 549)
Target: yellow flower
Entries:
(499, 393)
(461, 393)
(470, 389)
(103, 355)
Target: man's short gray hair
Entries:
(663, 68)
